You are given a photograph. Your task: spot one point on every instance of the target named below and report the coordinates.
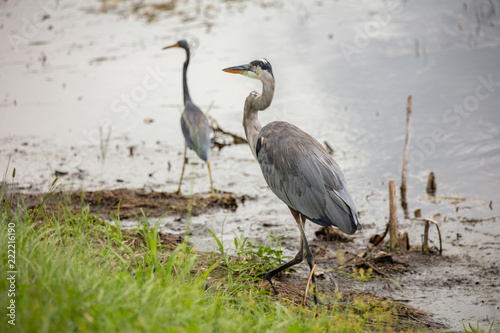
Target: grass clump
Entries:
(78, 272)
(471, 329)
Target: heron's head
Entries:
(182, 44)
(257, 69)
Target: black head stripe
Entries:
(264, 64)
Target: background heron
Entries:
(297, 168)
(194, 124)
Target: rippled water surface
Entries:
(343, 71)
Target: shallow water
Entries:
(343, 71)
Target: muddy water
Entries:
(87, 91)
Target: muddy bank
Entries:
(460, 279)
(129, 204)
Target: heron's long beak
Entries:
(243, 69)
(167, 47)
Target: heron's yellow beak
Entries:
(168, 47)
(243, 69)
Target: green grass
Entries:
(77, 272)
(468, 328)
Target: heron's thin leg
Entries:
(299, 257)
(211, 182)
(183, 166)
(309, 255)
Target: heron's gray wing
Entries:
(196, 130)
(302, 174)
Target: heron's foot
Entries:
(178, 192)
(268, 277)
(275, 291)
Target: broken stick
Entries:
(393, 215)
(404, 203)
(425, 245)
(307, 286)
(431, 184)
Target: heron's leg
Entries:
(183, 167)
(211, 182)
(309, 255)
(299, 257)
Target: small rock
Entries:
(60, 173)
(319, 273)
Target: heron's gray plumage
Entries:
(196, 130)
(296, 167)
(194, 124)
(301, 173)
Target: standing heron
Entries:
(297, 168)
(194, 124)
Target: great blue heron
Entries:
(297, 168)
(194, 124)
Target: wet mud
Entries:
(129, 203)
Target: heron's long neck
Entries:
(253, 104)
(184, 79)
(252, 127)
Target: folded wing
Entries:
(301, 173)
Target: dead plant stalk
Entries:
(393, 215)
(409, 107)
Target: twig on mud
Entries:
(329, 234)
(308, 284)
(372, 266)
(381, 263)
(377, 241)
(416, 319)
